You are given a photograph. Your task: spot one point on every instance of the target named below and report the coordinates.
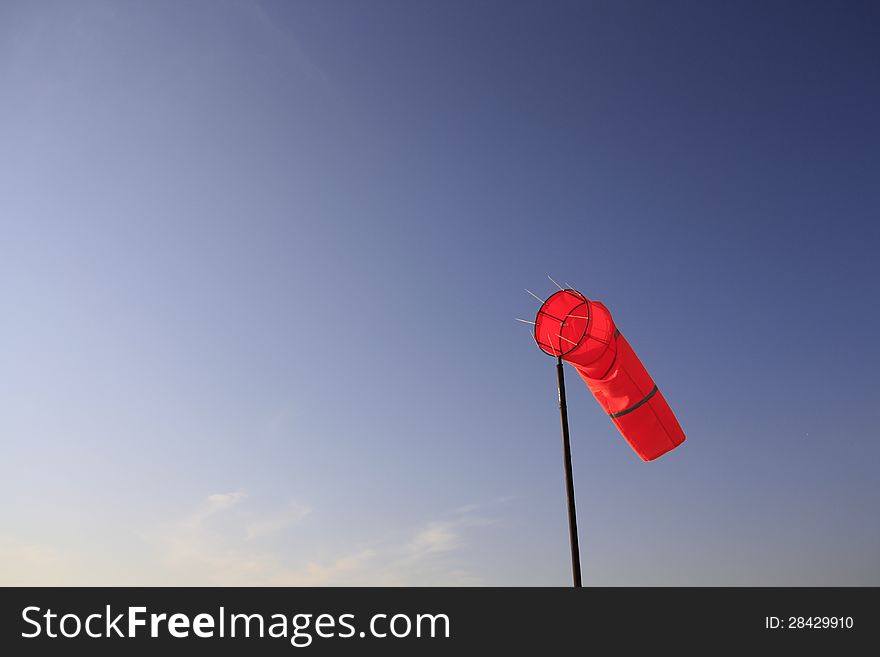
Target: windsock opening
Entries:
(561, 322)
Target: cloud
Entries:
(229, 538)
(280, 418)
(34, 564)
(276, 522)
(214, 504)
(436, 537)
(282, 42)
(220, 501)
(223, 543)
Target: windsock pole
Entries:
(569, 482)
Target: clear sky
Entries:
(259, 264)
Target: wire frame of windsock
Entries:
(583, 333)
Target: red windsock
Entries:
(583, 334)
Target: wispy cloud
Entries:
(218, 502)
(273, 523)
(282, 42)
(34, 564)
(200, 549)
(280, 418)
(436, 537)
(230, 538)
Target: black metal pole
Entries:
(569, 481)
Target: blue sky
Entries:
(260, 263)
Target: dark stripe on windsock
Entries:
(637, 404)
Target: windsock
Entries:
(582, 333)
